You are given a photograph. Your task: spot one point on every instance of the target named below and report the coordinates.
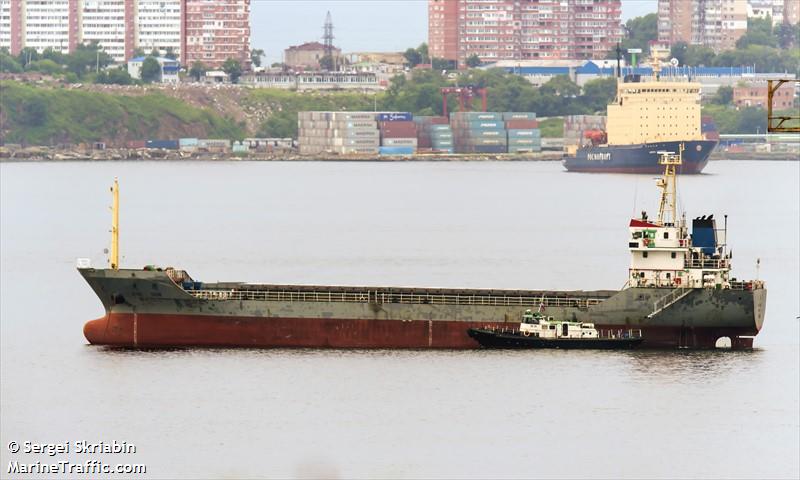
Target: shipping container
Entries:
(165, 144)
(524, 134)
(524, 149)
(482, 149)
(213, 143)
(440, 128)
(522, 124)
(519, 116)
(457, 116)
(399, 142)
(136, 144)
(481, 133)
(524, 141)
(395, 117)
(396, 150)
(187, 142)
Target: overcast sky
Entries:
(359, 25)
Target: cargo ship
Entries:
(679, 293)
(648, 115)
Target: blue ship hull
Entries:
(641, 158)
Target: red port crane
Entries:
(465, 96)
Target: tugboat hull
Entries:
(494, 339)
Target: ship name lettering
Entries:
(599, 156)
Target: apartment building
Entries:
(497, 30)
(716, 24)
(195, 30)
(215, 30)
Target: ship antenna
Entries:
(113, 258)
(668, 185)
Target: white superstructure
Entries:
(665, 254)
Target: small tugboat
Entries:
(539, 331)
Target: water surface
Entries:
(311, 413)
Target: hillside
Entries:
(37, 115)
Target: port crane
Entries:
(776, 123)
(465, 96)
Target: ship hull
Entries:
(211, 331)
(148, 310)
(642, 158)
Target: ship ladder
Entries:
(672, 297)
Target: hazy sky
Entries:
(359, 25)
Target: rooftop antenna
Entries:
(113, 258)
(619, 64)
(327, 39)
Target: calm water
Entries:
(277, 413)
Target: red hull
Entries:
(163, 331)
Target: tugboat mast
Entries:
(113, 258)
(667, 210)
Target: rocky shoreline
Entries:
(54, 154)
(51, 154)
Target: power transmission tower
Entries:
(327, 39)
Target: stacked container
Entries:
(338, 132)
(523, 132)
(398, 133)
(434, 133)
(709, 128)
(576, 125)
(478, 132)
(187, 144)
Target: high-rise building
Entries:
(212, 30)
(523, 29)
(443, 29)
(215, 30)
(160, 26)
(110, 23)
(791, 12)
(716, 24)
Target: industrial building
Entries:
(307, 81)
(169, 68)
(308, 55)
(194, 30)
(523, 29)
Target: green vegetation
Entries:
(640, 31)
(552, 127)
(256, 55)
(284, 106)
(40, 116)
(233, 68)
(151, 70)
(421, 95)
(768, 49)
(198, 70)
(744, 120)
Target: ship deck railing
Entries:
(709, 263)
(748, 285)
(385, 298)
